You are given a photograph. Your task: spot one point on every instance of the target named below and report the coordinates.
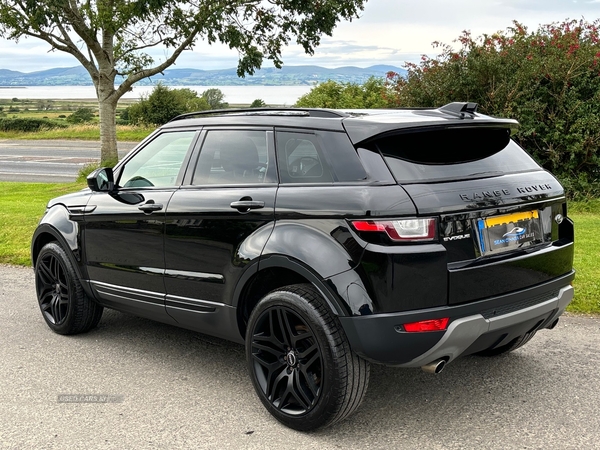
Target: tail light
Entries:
(401, 230)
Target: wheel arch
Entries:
(276, 271)
(57, 226)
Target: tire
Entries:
(300, 362)
(64, 305)
(511, 346)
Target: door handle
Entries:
(149, 207)
(247, 205)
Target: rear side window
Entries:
(453, 154)
(234, 157)
(319, 157)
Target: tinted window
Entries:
(158, 163)
(453, 154)
(301, 159)
(234, 157)
(342, 156)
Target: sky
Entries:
(388, 32)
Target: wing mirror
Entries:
(101, 180)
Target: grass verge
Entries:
(586, 216)
(22, 205)
(81, 132)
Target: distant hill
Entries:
(270, 76)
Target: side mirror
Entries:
(101, 180)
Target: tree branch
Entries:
(135, 77)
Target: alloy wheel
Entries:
(287, 360)
(52, 288)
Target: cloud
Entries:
(388, 32)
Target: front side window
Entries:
(158, 164)
(232, 157)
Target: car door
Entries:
(217, 225)
(124, 228)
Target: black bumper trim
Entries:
(375, 337)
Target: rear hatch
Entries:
(502, 218)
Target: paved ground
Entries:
(48, 161)
(180, 389)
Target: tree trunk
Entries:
(107, 106)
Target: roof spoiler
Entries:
(460, 109)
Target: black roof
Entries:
(360, 125)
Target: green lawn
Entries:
(22, 205)
(586, 216)
(81, 132)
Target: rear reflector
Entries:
(427, 325)
(401, 230)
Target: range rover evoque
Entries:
(324, 240)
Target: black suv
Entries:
(323, 240)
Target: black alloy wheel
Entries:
(52, 288)
(287, 360)
(63, 303)
(299, 360)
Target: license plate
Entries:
(509, 231)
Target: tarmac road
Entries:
(177, 389)
(49, 160)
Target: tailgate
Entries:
(501, 234)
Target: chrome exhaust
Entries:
(434, 367)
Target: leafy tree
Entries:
(81, 115)
(258, 103)
(214, 97)
(110, 37)
(548, 79)
(331, 94)
(163, 104)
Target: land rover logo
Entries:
(291, 358)
(558, 218)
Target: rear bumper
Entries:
(473, 327)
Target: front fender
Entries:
(56, 225)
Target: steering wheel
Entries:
(308, 162)
(138, 181)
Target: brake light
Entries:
(401, 230)
(427, 325)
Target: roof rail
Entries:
(311, 112)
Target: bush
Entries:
(214, 97)
(548, 80)
(163, 104)
(258, 103)
(28, 125)
(331, 94)
(81, 115)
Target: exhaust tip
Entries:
(553, 324)
(434, 367)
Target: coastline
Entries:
(271, 95)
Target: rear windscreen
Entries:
(453, 154)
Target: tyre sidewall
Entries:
(75, 289)
(326, 407)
